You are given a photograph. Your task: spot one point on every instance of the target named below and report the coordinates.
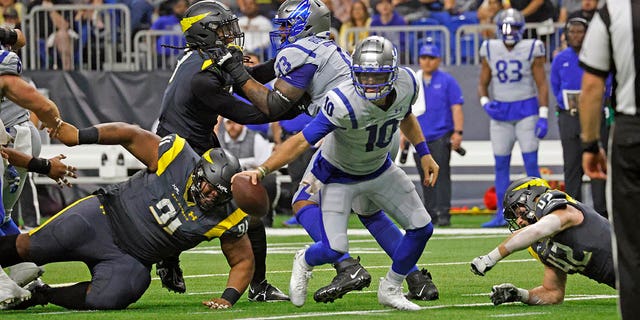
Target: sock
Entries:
(8, 251)
(395, 278)
(320, 253)
(502, 179)
(72, 297)
(410, 249)
(310, 217)
(530, 160)
(258, 239)
(9, 228)
(385, 232)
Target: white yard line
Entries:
(510, 315)
(365, 232)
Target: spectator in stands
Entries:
(586, 11)
(256, 27)
(342, 8)
(251, 149)
(335, 23)
(171, 12)
(11, 18)
(17, 11)
(54, 21)
(442, 127)
(359, 19)
(456, 7)
(388, 17)
(535, 11)
(141, 13)
(486, 13)
(565, 7)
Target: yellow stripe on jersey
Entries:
(533, 253)
(206, 64)
(59, 213)
(169, 155)
(226, 224)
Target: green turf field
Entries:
(462, 294)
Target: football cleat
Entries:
(38, 289)
(265, 292)
(171, 275)
(10, 293)
(421, 286)
(24, 273)
(391, 296)
(300, 275)
(351, 276)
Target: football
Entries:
(252, 199)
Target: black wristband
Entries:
(231, 294)
(88, 135)
(591, 147)
(460, 132)
(39, 165)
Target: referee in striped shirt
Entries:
(612, 44)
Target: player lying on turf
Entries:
(178, 201)
(564, 234)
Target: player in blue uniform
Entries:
(353, 169)
(565, 235)
(309, 64)
(518, 111)
(178, 201)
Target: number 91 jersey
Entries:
(151, 214)
(511, 77)
(584, 249)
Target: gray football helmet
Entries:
(374, 68)
(510, 24)
(521, 198)
(299, 19)
(210, 24)
(216, 167)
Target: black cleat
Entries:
(171, 275)
(421, 287)
(39, 296)
(265, 292)
(351, 276)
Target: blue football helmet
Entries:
(374, 68)
(521, 198)
(510, 24)
(297, 19)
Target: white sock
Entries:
(395, 278)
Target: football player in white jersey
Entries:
(307, 65)
(519, 99)
(353, 169)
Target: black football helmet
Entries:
(216, 167)
(209, 24)
(523, 193)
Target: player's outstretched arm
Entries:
(287, 152)
(136, 140)
(28, 97)
(54, 168)
(551, 291)
(411, 130)
(240, 258)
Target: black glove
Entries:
(232, 63)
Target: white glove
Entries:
(481, 265)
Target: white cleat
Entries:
(300, 275)
(392, 296)
(24, 273)
(10, 293)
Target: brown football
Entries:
(251, 198)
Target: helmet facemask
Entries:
(211, 25)
(211, 178)
(297, 19)
(524, 207)
(510, 26)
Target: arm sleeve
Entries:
(263, 72)
(595, 56)
(319, 127)
(206, 87)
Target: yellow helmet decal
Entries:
(186, 23)
(538, 182)
(207, 157)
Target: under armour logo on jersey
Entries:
(176, 189)
(566, 64)
(437, 86)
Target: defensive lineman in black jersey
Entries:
(180, 200)
(197, 93)
(565, 235)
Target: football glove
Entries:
(480, 265)
(12, 176)
(541, 128)
(233, 63)
(503, 293)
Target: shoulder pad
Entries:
(552, 200)
(172, 143)
(10, 63)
